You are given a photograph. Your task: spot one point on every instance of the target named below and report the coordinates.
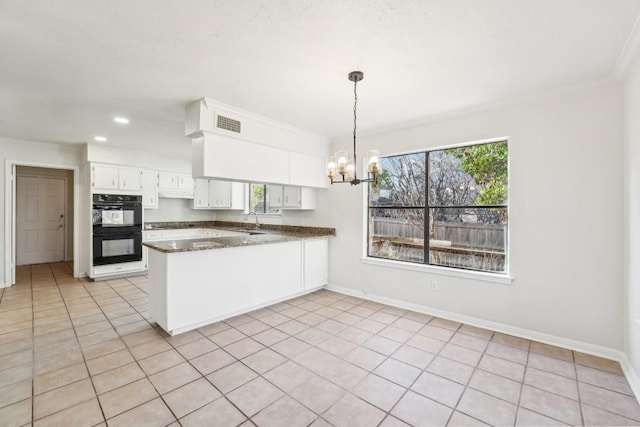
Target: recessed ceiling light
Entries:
(100, 138)
(121, 120)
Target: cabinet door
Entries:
(168, 180)
(219, 194)
(291, 197)
(276, 196)
(150, 190)
(105, 177)
(130, 179)
(316, 263)
(185, 182)
(201, 194)
(238, 197)
(308, 171)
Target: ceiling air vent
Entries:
(227, 123)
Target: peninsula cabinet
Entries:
(191, 289)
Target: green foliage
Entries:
(487, 164)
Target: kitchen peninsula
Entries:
(197, 281)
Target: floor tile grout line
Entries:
(332, 334)
(33, 377)
(522, 383)
(575, 369)
(468, 382)
(137, 363)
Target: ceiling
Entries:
(68, 67)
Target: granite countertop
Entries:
(264, 235)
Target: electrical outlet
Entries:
(434, 286)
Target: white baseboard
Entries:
(583, 347)
(631, 374)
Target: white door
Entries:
(40, 220)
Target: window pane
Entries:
(401, 181)
(471, 238)
(468, 176)
(259, 200)
(397, 234)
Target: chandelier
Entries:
(341, 164)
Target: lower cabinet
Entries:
(192, 289)
(315, 264)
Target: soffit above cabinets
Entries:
(236, 145)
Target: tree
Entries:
(487, 164)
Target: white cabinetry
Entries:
(287, 197)
(220, 194)
(115, 178)
(214, 194)
(149, 189)
(315, 263)
(303, 170)
(179, 302)
(175, 185)
(229, 143)
(238, 160)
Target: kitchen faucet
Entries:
(247, 217)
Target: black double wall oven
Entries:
(117, 228)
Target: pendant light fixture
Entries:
(341, 164)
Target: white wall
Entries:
(32, 152)
(632, 216)
(565, 208)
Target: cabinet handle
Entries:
(286, 199)
(124, 182)
(113, 182)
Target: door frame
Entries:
(10, 216)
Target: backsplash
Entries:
(177, 210)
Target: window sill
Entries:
(504, 279)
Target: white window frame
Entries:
(505, 278)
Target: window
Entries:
(443, 207)
(259, 200)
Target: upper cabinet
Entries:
(175, 185)
(150, 189)
(213, 194)
(236, 145)
(115, 178)
(288, 197)
(307, 171)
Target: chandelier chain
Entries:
(355, 104)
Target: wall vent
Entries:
(227, 123)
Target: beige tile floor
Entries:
(76, 352)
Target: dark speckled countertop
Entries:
(267, 233)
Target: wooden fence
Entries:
(474, 246)
(462, 235)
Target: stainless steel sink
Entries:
(252, 231)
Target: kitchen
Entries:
(570, 283)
